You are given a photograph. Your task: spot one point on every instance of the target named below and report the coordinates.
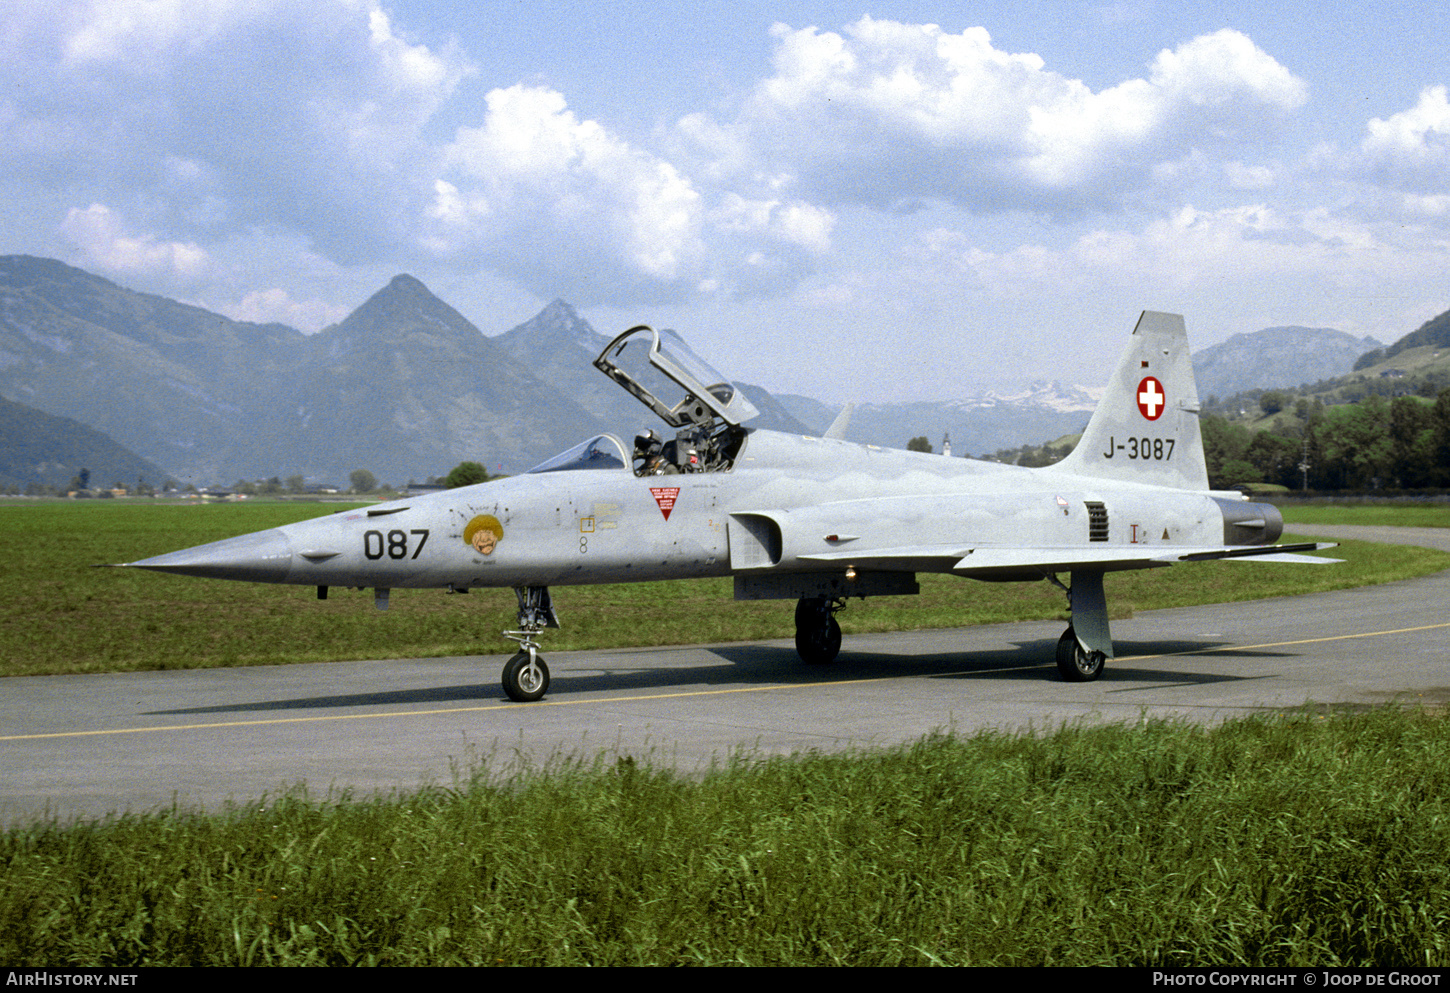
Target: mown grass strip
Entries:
(1280, 840)
(1406, 515)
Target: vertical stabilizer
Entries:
(1145, 429)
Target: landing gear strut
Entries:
(817, 635)
(525, 676)
(1087, 643)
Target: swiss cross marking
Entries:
(1151, 400)
(665, 497)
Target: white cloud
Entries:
(1198, 259)
(1433, 205)
(1190, 249)
(103, 241)
(1225, 69)
(1411, 149)
(796, 223)
(307, 116)
(562, 203)
(887, 113)
(277, 305)
(193, 126)
(1241, 176)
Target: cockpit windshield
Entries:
(603, 451)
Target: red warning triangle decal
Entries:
(665, 497)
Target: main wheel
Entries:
(817, 635)
(525, 677)
(819, 645)
(1076, 664)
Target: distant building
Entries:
(946, 444)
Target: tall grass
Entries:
(1300, 840)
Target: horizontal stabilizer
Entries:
(1288, 558)
(1267, 553)
(1029, 562)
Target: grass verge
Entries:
(1276, 841)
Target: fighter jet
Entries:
(814, 520)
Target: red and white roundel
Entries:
(1151, 398)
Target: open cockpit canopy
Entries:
(705, 409)
(659, 369)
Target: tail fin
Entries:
(1145, 429)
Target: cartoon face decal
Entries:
(484, 533)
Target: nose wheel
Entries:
(525, 676)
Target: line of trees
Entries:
(1403, 443)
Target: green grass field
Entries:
(60, 615)
(1409, 515)
(1305, 840)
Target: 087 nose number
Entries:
(394, 545)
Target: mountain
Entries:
(405, 386)
(169, 381)
(977, 424)
(40, 448)
(1434, 333)
(809, 411)
(558, 346)
(1276, 357)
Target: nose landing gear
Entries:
(525, 676)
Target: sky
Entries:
(856, 202)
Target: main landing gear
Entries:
(525, 676)
(817, 635)
(1077, 664)
(1087, 644)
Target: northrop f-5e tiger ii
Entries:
(814, 520)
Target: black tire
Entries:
(817, 635)
(525, 678)
(1076, 664)
(819, 646)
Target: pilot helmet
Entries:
(647, 443)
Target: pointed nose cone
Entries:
(263, 557)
